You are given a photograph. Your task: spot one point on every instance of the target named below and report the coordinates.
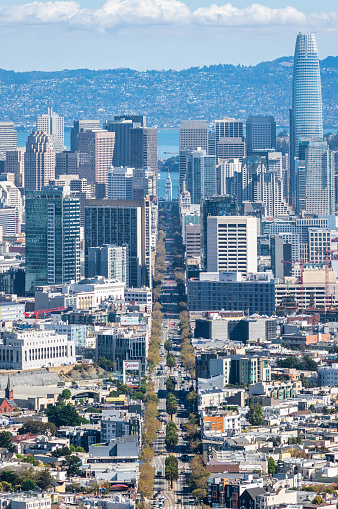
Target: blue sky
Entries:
(157, 34)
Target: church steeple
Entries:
(9, 391)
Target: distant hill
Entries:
(166, 97)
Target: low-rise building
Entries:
(34, 349)
(229, 290)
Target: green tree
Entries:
(6, 441)
(44, 480)
(10, 477)
(124, 389)
(171, 468)
(199, 493)
(64, 415)
(255, 415)
(72, 465)
(171, 404)
(271, 466)
(28, 485)
(66, 394)
(318, 500)
(171, 438)
(168, 345)
(170, 384)
(171, 362)
(38, 428)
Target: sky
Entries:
(158, 34)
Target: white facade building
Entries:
(328, 375)
(120, 183)
(232, 244)
(139, 295)
(51, 123)
(34, 349)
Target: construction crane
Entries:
(29, 314)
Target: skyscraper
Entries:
(80, 126)
(96, 150)
(200, 175)
(51, 123)
(119, 223)
(39, 161)
(260, 133)
(8, 138)
(143, 150)
(315, 179)
(52, 237)
(215, 206)
(306, 114)
(232, 244)
(192, 134)
(120, 183)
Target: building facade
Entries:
(52, 237)
(34, 349)
(39, 161)
(122, 222)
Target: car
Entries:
(159, 473)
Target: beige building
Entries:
(15, 164)
(232, 244)
(193, 240)
(39, 161)
(96, 149)
(51, 123)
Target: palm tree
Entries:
(171, 468)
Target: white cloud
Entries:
(114, 14)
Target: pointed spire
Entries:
(9, 390)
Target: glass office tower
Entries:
(306, 121)
(52, 237)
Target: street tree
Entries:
(171, 362)
(171, 404)
(170, 384)
(168, 345)
(171, 468)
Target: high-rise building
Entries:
(315, 185)
(200, 175)
(39, 161)
(260, 133)
(306, 121)
(66, 163)
(225, 171)
(8, 138)
(143, 147)
(122, 222)
(110, 262)
(80, 126)
(214, 206)
(145, 183)
(120, 183)
(229, 139)
(232, 244)
(52, 237)
(15, 164)
(192, 134)
(51, 123)
(96, 149)
(121, 126)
